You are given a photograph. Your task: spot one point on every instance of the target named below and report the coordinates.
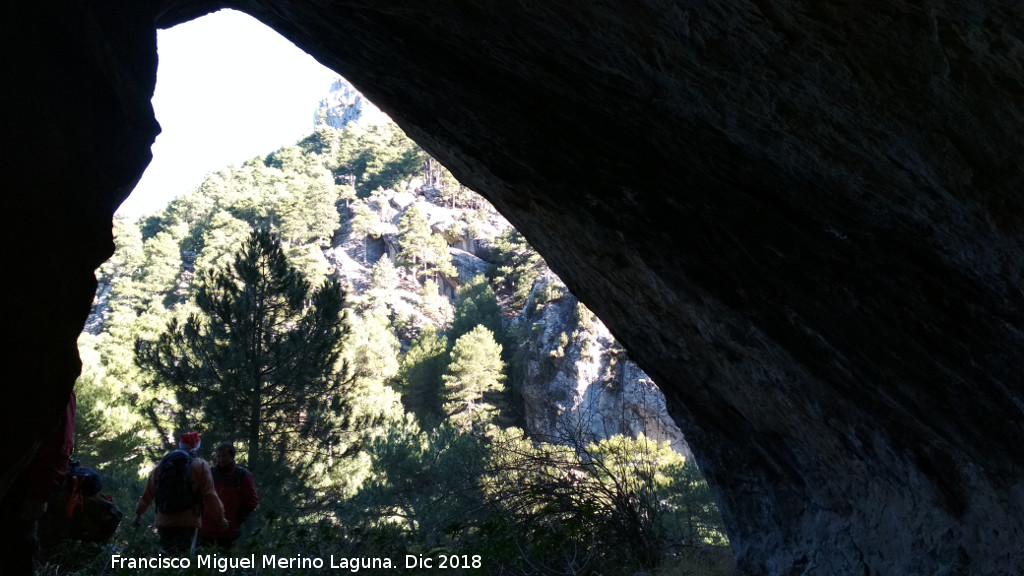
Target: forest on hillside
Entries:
(379, 415)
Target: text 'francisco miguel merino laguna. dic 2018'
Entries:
(272, 561)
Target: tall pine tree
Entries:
(260, 360)
(475, 375)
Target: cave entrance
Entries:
(215, 107)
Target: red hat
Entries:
(189, 441)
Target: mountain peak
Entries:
(345, 105)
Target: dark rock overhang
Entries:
(802, 219)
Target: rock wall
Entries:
(803, 218)
(77, 125)
(577, 384)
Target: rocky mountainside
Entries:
(570, 380)
(577, 382)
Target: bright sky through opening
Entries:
(228, 89)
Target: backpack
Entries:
(174, 483)
(90, 519)
(87, 481)
(77, 511)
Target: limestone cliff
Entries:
(344, 105)
(577, 383)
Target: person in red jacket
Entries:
(236, 488)
(177, 530)
(25, 501)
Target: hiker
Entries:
(25, 500)
(236, 488)
(182, 486)
(78, 511)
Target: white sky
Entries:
(228, 88)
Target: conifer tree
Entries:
(425, 252)
(123, 273)
(258, 361)
(519, 264)
(384, 275)
(422, 369)
(160, 272)
(308, 210)
(414, 238)
(309, 260)
(474, 375)
(372, 350)
(476, 304)
(220, 237)
(346, 193)
(433, 305)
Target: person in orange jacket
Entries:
(178, 530)
(236, 488)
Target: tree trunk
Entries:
(254, 429)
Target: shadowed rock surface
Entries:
(803, 219)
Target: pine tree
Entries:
(308, 210)
(422, 369)
(258, 361)
(518, 264)
(220, 237)
(414, 238)
(474, 375)
(438, 258)
(347, 193)
(161, 269)
(425, 252)
(433, 305)
(372, 350)
(384, 275)
(476, 305)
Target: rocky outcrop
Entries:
(467, 265)
(803, 219)
(577, 384)
(344, 105)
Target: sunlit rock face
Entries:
(578, 385)
(802, 218)
(344, 105)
